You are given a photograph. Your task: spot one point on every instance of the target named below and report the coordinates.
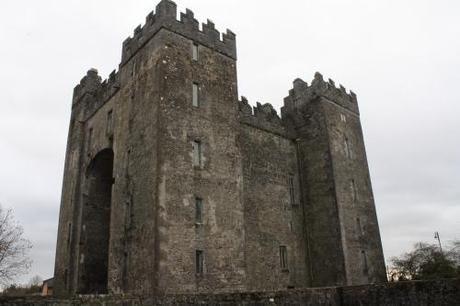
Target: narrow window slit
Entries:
(195, 95)
(195, 52)
(197, 152)
(199, 262)
(291, 190)
(283, 258)
(198, 210)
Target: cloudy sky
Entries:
(402, 58)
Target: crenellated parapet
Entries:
(89, 84)
(187, 26)
(302, 93)
(109, 86)
(97, 92)
(262, 116)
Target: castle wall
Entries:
(216, 180)
(91, 219)
(75, 189)
(360, 234)
(322, 219)
(445, 292)
(66, 243)
(271, 217)
(340, 213)
(276, 208)
(134, 226)
(130, 98)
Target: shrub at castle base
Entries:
(174, 185)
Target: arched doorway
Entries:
(95, 229)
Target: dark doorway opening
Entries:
(95, 229)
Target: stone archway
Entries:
(95, 228)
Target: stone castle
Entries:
(174, 185)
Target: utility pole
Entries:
(436, 236)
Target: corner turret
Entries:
(89, 84)
(91, 93)
(302, 93)
(340, 214)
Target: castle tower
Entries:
(78, 139)
(173, 186)
(146, 167)
(342, 234)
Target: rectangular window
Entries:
(364, 260)
(109, 127)
(195, 52)
(199, 262)
(195, 100)
(283, 258)
(347, 148)
(353, 190)
(198, 210)
(359, 228)
(69, 234)
(343, 118)
(133, 68)
(197, 153)
(129, 214)
(291, 190)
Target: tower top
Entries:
(165, 17)
(302, 92)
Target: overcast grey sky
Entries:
(402, 58)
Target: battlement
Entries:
(262, 116)
(187, 26)
(91, 85)
(302, 93)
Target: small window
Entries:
(364, 262)
(109, 122)
(197, 151)
(198, 210)
(133, 69)
(199, 262)
(347, 147)
(129, 213)
(343, 118)
(195, 90)
(359, 227)
(291, 190)
(283, 258)
(195, 51)
(353, 190)
(69, 234)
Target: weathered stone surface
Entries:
(421, 293)
(266, 183)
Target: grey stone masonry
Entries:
(187, 26)
(416, 293)
(175, 185)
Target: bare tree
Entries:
(13, 248)
(427, 261)
(36, 281)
